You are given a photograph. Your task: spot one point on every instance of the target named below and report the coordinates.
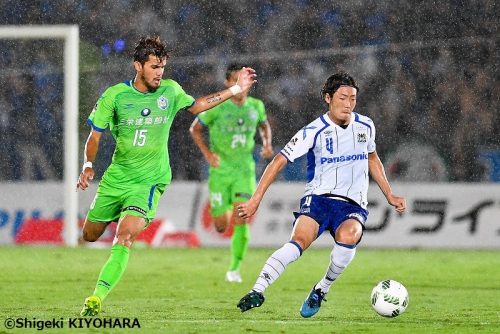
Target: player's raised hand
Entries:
(246, 78)
(85, 177)
(248, 209)
(213, 159)
(399, 203)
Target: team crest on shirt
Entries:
(361, 137)
(252, 114)
(162, 102)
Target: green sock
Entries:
(239, 245)
(112, 271)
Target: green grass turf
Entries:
(183, 291)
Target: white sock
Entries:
(276, 264)
(340, 258)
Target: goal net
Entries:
(39, 126)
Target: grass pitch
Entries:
(183, 291)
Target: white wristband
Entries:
(87, 164)
(236, 89)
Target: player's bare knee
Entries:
(301, 242)
(348, 236)
(124, 239)
(89, 236)
(220, 228)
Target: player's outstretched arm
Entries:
(249, 208)
(89, 154)
(246, 80)
(377, 172)
(196, 131)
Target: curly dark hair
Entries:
(335, 81)
(234, 67)
(151, 45)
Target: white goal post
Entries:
(70, 35)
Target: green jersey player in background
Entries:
(231, 127)
(139, 114)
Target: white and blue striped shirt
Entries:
(337, 158)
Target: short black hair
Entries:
(335, 81)
(150, 45)
(234, 67)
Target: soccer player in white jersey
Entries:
(340, 148)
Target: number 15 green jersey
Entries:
(140, 123)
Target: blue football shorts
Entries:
(330, 212)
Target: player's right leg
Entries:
(93, 230)
(221, 222)
(220, 200)
(305, 231)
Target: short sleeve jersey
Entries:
(337, 157)
(140, 123)
(232, 130)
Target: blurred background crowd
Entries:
(427, 73)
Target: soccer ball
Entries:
(389, 298)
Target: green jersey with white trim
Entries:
(140, 123)
(232, 130)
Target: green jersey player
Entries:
(139, 114)
(231, 127)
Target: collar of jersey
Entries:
(131, 84)
(327, 119)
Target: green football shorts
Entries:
(111, 203)
(227, 188)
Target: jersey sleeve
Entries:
(299, 144)
(262, 113)
(102, 114)
(182, 99)
(371, 142)
(208, 117)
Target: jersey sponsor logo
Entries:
(361, 137)
(145, 112)
(135, 208)
(342, 158)
(240, 121)
(162, 102)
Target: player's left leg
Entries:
(239, 245)
(347, 236)
(129, 227)
(243, 186)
